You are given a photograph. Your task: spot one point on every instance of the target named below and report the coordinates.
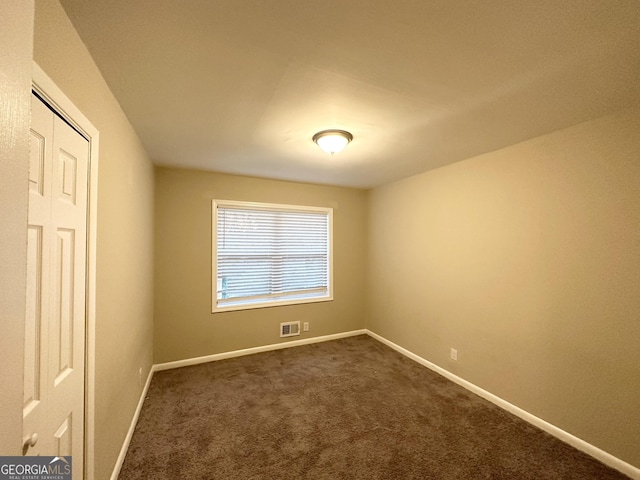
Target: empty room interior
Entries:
(470, 306)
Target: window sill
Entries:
(280, 303)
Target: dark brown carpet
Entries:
(346, 409)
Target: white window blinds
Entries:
(267, 254)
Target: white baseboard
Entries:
(212, 358)
(132, 427)
(566, 437)
(250, 351)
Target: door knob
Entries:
(29, 441)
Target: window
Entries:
(266, 255)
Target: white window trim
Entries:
(264, 206)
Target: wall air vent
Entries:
(289, 329)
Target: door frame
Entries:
(64, 107)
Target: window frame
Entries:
(215, 203)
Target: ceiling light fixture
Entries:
(332, 141)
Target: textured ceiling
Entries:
(241, 86)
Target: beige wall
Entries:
(184, 324)
(124, 297)
(16, 46)
(527, 260)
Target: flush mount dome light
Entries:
(332, 141)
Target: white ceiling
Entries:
(241, 86)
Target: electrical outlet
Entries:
(454, 354)
(305, 326)
(140, 376)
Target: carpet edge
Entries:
(134, 421)
(576, 442)
(187, 362)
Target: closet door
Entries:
(54, 379)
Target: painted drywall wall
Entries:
(16, 48)
(124, 293)
(184, 325)
(527, 261)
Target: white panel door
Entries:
(53, 415)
